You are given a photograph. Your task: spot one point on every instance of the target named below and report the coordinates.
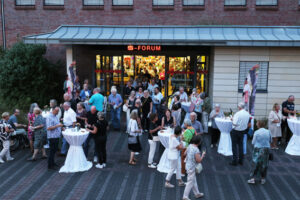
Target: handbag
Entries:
(125, 108)
(155, 139)
(132, 139)
(199, 168)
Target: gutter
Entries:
(3, 24)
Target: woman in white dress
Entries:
(275, 118)
(133, 131)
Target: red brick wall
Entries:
(39, 20)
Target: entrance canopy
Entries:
(171, 35)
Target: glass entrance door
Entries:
(109, 72)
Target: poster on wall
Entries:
(249, 90)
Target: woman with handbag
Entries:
(193, 158)
(260, 157)
(275, 118)
(153, 139)
(173, 156)
(133, 131)
(40, 134)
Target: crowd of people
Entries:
(147, 112)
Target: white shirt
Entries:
(173, 153)
(156, 98)
(151, 88)
(69, 117)
(241, 120)
(183, 96)
(132, 127)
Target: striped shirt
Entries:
(52, 120)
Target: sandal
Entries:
(132, 163)
(251, 181)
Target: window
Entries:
(262, 81)
(25, 2)
(266, 2)
(54, 2)
(122, 2)
(193, 2)
(163, 2)
(93, 2)
(235, 2)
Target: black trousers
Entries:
(237, 138)
(145, 121)
(53, 144)
(286, 132)
(199, 116)
(100, 143)
(215, 135)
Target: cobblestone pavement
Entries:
(21, 179)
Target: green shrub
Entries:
(26, 76)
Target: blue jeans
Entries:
(86, 145)
(115, 115)
(64, 146)
(154, 108)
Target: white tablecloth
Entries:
(293, 148)
(75, 160)
(164, 164)
(225, 126)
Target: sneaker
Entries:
(95, 159)
(151, 166)
(200, 195)
(169, 185)
(1, 161)
(181, 184)
(154, 164)
(104, 165)
(99, 166)
(46, 146)
(263, 181)
(251, 181)
(211, 146)
(136, 153)
(10, 159)
(182, 175)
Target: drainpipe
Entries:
(3, 24)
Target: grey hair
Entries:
(37, 109)
(32, 106)
(54, 102)
(241, 105)
(217, 105)
(95, 90)
(5, 114)
(101, 115)
(188, 122)
(181, 87)
(113, 89)
(138, 101)
(193, 113)
(146, 91)
(67, 104)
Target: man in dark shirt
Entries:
(90, 122)
(288, 108)
(146, 109)
(68, 98)
(128, 89)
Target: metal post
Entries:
(3, 24)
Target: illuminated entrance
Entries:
(140, 62)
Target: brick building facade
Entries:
(39, 18)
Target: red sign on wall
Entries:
(144, 48)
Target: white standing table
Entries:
(293, 148)
(225, 126)
(164, 163)
(75, 160)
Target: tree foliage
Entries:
(26, 76)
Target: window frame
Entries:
(244, 5)
(85, 5)
(44, 2)
(192, 4)
(25, 4)
(266, 4)
(257, 89)
(162, 5)
(112, 3)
